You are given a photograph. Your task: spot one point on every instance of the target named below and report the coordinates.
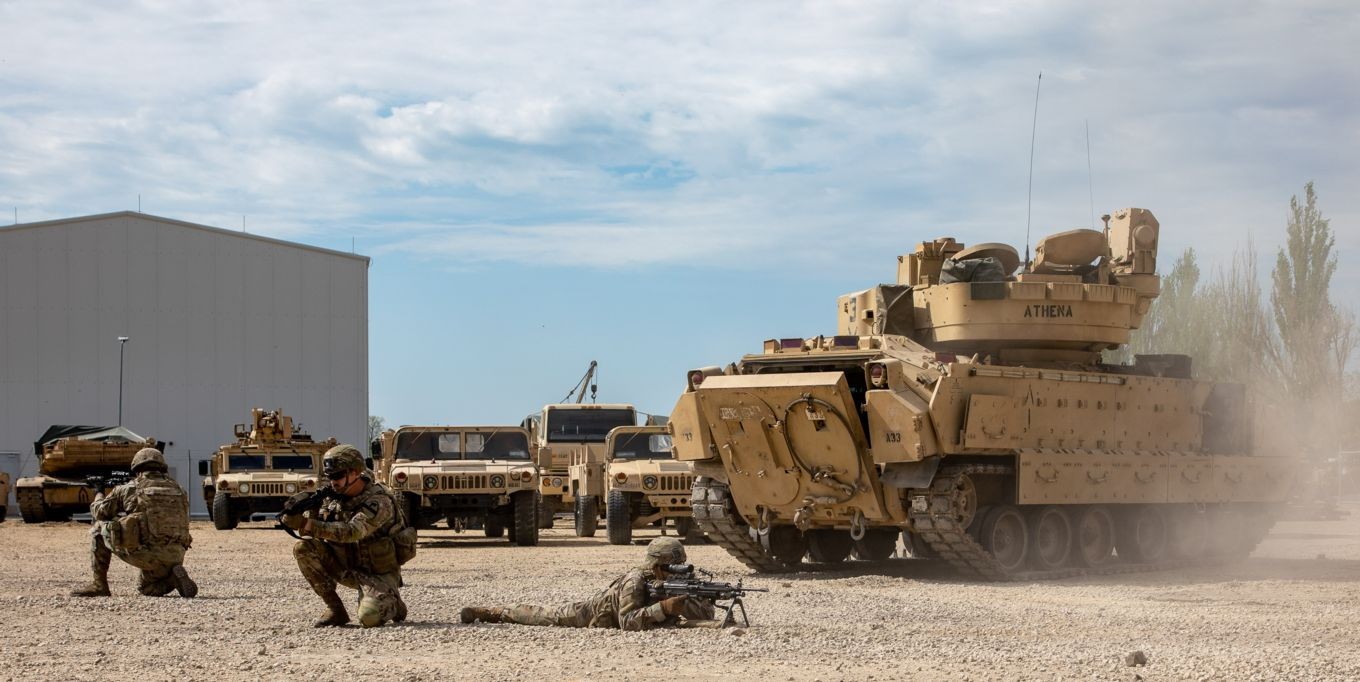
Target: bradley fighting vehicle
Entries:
(639, 481)
(470, 476)
(969, 408)
(270, 461)
(67, 456)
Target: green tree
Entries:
(1313, 333)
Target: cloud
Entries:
(613, 133)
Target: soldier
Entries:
(625, 604)
(351, 542)
(152, 532)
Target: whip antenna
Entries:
(1029, 198)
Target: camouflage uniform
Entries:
(350, 544)
(159, 549)
(625, 604)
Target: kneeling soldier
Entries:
(625, 604)
(144, 522)
(355, 539)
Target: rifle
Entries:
(112, 479)
(684, 584)
(304, 502)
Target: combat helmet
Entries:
(341, 458)
(664, 551)
(148, 458)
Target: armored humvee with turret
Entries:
(270, 461)
(967, 407)
(67, 456)
(638, 481)
(469, 476)
(567, 432)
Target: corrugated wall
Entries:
(219, 323)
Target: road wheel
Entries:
(493, 527)
(828, 545)
(618, 518)
(786, 544)
(1140, 534)
(526, 519)
(876, 545)
(587, 515)
(1050, 537)
(1092, 536)
(223, 517)
(1005, 535)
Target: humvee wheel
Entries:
(1050, 537)
(1093, 537)
(526, 520)
(1187, 533)
(876, 545)
(587, 515)
(1140, 534)
(786, 544)
(222, 517)
(493, 527)
(1005, 535)
(547, 508)
(618, 518)
(828, 545)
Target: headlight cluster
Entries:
(431, 482)
(289, 488)
(245, 488)
(621, 478)
(649, 482)
(497, 481)
(557, 481)
(400, 479)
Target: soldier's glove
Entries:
(295, 521)
(673, 605)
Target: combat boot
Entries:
(473, 614)
(335, 614)
(95, 588)
(400, 616)
(186, 586)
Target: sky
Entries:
(662, 186)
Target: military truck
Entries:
(4, 495)
(270, 461)
(639, 482)
(967, 405)
(67, 455)
(564, 432)
(469, 476)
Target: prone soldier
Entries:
(358, 538)
(144, 522)
(626, 604)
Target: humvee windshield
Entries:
(642, 446)
(294, 462)
(262, 462)
(449, 445)
(585, 426)
(247, 462)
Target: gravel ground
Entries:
(1288, 612)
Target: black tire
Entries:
(4, 511)
(786, 544)
(876, 545)
(618, 519)
(224, 518)
(413, 512)
(547, 509)
(828, 545)
(526, 519)
(493, 527)
(209, 495)
(587, 515)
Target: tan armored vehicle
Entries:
(4, 495)
(566, 432)
(638, 480)
(969, 407)
(67, 456)
(271, 461)
(469, 476)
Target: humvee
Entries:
(638, 480)
(468, 476)
(270, 461)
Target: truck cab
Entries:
(567, 432)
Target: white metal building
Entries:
(218, 322)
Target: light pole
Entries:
(122, 343)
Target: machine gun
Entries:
(112, 479)
(304, 502)
(684, 584)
